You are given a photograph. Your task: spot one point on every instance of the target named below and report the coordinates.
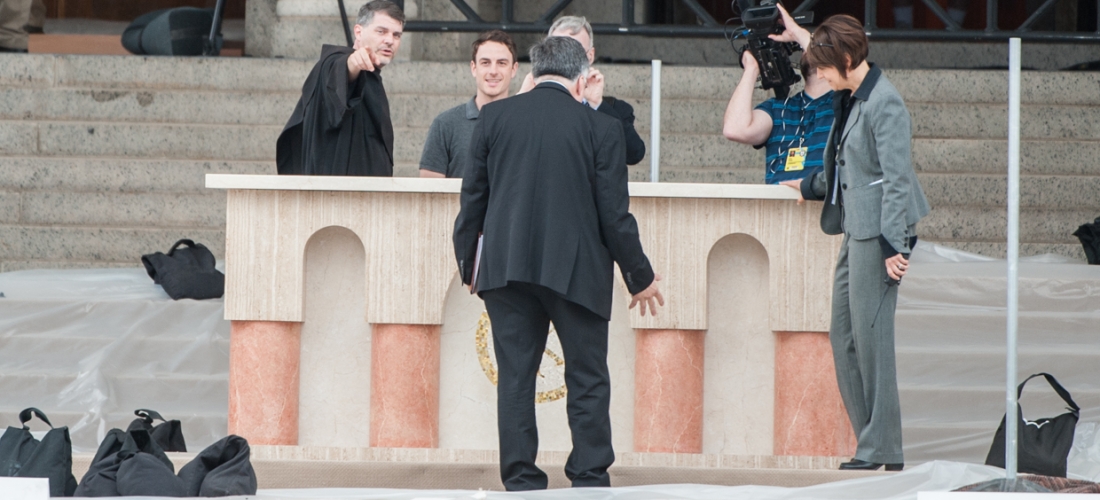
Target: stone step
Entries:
(970, 223)
(201, 427)
(999, 250)
(984, 403)
(1061, 192)
(120, 244)
(930, 120)
(192, 210)
(944, 120)
(966, 443)
(92, 175)
(1076, 362)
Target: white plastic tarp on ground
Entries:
(88, 347)
(933, 476)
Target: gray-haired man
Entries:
(579, 29)
(547, 189)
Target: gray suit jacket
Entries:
(876, 192)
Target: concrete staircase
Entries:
(102, 158)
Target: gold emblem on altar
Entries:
(550, 380)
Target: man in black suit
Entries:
(547, 188)
(579, 29)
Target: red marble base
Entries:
(404, 395)
(263, 381)
(668, 391)
(809, 414)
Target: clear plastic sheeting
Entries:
(933, 476)
(88, 347)
(951, 350)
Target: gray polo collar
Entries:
(471, 109)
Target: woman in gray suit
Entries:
(872, 197)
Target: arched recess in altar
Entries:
(336, 342)
(738, 387)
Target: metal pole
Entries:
(344, 19)
(1011, 413)
(655, 124)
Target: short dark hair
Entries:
(560, 56)
(494, 36)
(367, 11)
(839, 39)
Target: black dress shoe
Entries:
(857, 464)
(6, 49)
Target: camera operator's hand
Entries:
(792, 32)
(749, 63)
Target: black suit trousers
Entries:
(521, 314)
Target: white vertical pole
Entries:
(655, 124)
(1013, 253)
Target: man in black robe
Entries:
(341, 125)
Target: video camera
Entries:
(762, 18)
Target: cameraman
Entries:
(792, 132)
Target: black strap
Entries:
(1062, 392)
(149, 415)
(25, 416)
(184, 241)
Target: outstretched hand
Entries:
(650, 297)
(361, 60)
(792, 32)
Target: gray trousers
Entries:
(864, 355)
(14, 14)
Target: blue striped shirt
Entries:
(797, 121)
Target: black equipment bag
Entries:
(180, 31)
(168, 434)
(222, 469)
(186, 273)
(1044, 444)
(130, 463)
(21, 455)
(1089, 234)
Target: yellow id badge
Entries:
(796, 159)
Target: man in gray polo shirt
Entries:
(493, 65)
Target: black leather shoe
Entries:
(857, 464)
(19, 51)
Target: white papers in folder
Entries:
(477, 264)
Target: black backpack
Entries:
(181, 31)
(21, 455)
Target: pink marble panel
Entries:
(263, 381)
(668, 391)
(809, 414)
(404, 393)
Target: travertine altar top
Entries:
(417, 185)
(405, 226)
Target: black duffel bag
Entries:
(1042, 445)
(186, 273)
(180, 31)
(168, 434)
(1089, 234)
(21, 455)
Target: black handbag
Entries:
(168, 434)
(186, 273)
(21, 455)
(1043, 444)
